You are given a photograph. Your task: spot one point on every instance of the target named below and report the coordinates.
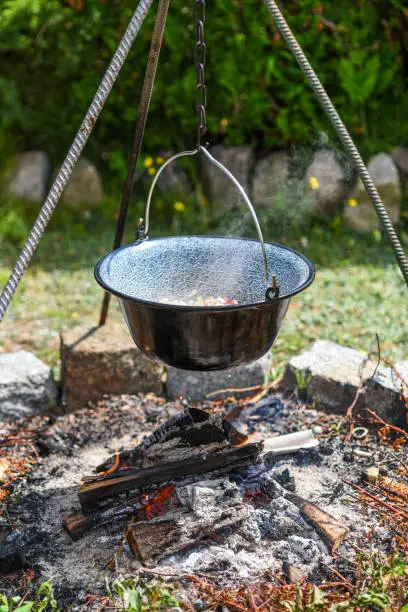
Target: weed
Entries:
(379, 586)
(136, 595)
(44, 601)
(314, 601)
(337, 428)
(303, 378)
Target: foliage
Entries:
(303, 378)
(14, 220)
(380, 586)
(44, 601)
(54, 52)
(136, 595)
(315, 601)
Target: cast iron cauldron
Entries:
(149, 272)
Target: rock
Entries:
(27, 386)
(98, 360)
(331, 374)
(31, 177)
(198, 385)
(400, 158)
(270, 176)
(359, 213)
(84, 188)
(217, 186)
(325, 182)
(174, 182)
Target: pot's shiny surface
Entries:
(194, 337)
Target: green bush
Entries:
(54, 52)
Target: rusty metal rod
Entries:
(342, 133)
(144, 104)
(73, 155)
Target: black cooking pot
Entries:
(149, 271)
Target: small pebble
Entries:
(317, 429)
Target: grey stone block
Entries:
(98, 360)
(361, 217)
(198, 385)
(31, 177)
(84, 188)
(329, 186)
(217, 186)
(271, 174)
(27, 386)
(331, 374)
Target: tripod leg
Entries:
(73, 155)
(145, 98)
(342, 133)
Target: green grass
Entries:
(358, 290)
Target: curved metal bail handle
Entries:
(156, 178)
(272, 291)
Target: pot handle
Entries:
(272, 290)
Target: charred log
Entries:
(120, 482)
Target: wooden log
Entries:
(78, 523)
(157, 503)
(155, 540)
(193, 428)
(331, 529)
(136, 479)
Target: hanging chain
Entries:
(199, 58)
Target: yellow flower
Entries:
(148, 162)
(159, 160)
(151, 171)
(313, 182)
(179, 206)
(352, 202)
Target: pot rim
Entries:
(227, 307)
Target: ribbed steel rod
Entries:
(342, 132)
(144, 104)
(73, 155)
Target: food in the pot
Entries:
(194, 299)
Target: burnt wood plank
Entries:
(155, 540)
(135, 479)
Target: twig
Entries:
(254, 607)
(377, 499)
(361, 387)
(273, 385)
(332, 569)
(380, 420)
(392, 366)
(399, 460)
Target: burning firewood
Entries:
(142, 505)
(93, 490)
(204, 515)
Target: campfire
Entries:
(235, 501)
(199, 493)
